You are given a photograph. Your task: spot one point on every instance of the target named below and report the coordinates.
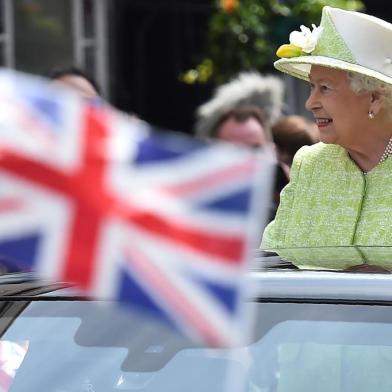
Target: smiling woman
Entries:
(343, 115)
(340, 189)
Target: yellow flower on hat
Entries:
(301, 42)
(289, 50)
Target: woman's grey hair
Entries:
(362, 83)
(248, 89)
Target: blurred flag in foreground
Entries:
(12, 355)
(92, 197)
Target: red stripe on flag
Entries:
(213, 179)
(80, 260)
(231, 248)
(80, 256)
(11, 204)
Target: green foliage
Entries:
(246, 37)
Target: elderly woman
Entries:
(340, 190)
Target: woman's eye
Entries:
(324, 88)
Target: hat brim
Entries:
(299, 67)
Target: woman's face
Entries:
(339, 113)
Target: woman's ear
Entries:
(377, 101)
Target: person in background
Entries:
(242, 112)
(289, 134)
(340, 190)
(77, 80)
(242, 125)
(248, 89)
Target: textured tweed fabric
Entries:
(331, 202)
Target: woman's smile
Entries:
(323, 122)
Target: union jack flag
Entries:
(90, 196)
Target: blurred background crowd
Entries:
(203, 67)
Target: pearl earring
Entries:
(371, 115)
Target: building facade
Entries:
(41, 35)
(135, 49)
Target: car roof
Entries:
(275, 279)
(27, 284)
(320, 286)
(272, 280)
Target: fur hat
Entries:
(248, 89)
(346, 40)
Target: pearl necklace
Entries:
(387, 152)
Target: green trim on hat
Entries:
(330, 43)
(299, 67)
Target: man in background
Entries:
(243, 125)
(77, 80)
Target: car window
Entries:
(87, 346)
(84, 346)
(323, 347)
(334, 355)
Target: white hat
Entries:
(346, 40)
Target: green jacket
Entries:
(331, 202)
